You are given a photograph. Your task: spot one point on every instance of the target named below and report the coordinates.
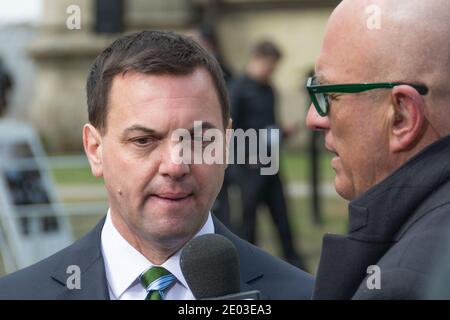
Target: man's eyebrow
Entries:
(205, 125)
(140, 128)
(320, 78)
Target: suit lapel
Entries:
(85, 254)
(343, 265)
(344, 259)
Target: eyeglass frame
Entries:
(314, 89)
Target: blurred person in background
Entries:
(5, 88)
(140, 90)
(381, 96)
(206, 37)
(253, 106)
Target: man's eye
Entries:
(142, 142)
(332, 97)
(208, 139)
(204, 140)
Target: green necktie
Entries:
(156, 281)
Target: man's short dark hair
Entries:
(267, 49)
(149, 52)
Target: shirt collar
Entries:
(124, 264)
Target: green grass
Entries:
(72, 176)
(84, 223)
(296, 166)
(307, 236)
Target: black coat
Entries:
(47, 279)
(400, 225)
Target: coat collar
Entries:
(377, 218)
(378, 214)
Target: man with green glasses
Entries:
(319, 93)
(381, 94)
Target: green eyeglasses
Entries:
(319, 92)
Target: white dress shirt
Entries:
(124, 264)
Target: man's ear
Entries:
(407, 118)
(92, 142)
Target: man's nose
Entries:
(173, 166)
(315, 121)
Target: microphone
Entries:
(210, 265)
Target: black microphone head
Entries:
(210, 265)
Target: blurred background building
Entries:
(62, 56)
(48, 56)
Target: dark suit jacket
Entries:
(400, 225)
(47, 279)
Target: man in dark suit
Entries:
(253, 107)
(155, 100)
(381, 96)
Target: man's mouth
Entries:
(172, 196)
(336, 158)
(330, 149)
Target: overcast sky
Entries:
(18, 11)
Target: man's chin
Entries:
(167, 222)
(172, 233)
(343, 188)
